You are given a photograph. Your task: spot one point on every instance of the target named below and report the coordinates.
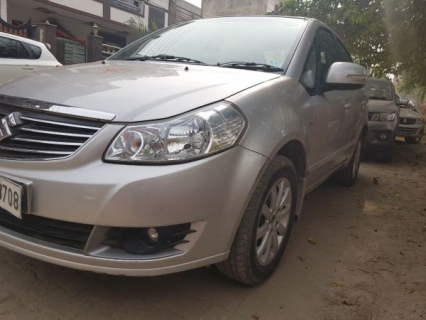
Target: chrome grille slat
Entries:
(36, 151)
(59, 123)
(39, 136)
(55, 133)
(58, 143)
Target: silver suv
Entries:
(193, 146)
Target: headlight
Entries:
(385, 117)
(420, 121)
(203, 132)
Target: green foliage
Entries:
(385, 35)
(406, 20)
(360, 24)
(137, 25)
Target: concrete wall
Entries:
(188, 6)
(272, 5)
(89, 6)
(217, 8)
(3, 9)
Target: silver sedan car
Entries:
(193, 146)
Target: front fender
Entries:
(273, 111)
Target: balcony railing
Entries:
(108, 50)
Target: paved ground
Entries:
(369, 262)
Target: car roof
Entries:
(256, 17)
(14, 37)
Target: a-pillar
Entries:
(46, 33)
(94, 48)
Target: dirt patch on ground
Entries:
(381, 273)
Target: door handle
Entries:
(28, 67)
(347, 105)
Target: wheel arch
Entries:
(295, 152)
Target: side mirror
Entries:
(346, 76)
(403, 102)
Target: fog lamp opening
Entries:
(153, 235)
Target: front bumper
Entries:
(375, 130)
(210, 194)
(413, 131)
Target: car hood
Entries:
(408, 113)
(135, 90)
(382, 106)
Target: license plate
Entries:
(11, 197)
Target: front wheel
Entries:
(265, 227)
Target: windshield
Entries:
(379, 90)
(263, 40)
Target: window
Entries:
(35, 50)
(222, 40)
(8, 48)
(12, 49)
(327, 54)
(343, 54)
(309, 75)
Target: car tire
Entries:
(347, 176)
(412, 140)
(387, 155)
(265, 228)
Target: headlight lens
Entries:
(385, 117)
(201, 133)
(420, 121)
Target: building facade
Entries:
(76, 20)
(220, 8)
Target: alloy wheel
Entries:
(273, 221)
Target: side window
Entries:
(309, 75)
(327, 52)
(12, 49)
(8, 48)
(22, 52)
(36, 50)
(343, 54)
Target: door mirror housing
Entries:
(345, 76)
(403, 102)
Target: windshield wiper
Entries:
(250, 66)
(165, 57)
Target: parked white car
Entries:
(20, 56)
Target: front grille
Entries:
(407, 121)
(42, 136)
(67, 234)
(409, 130)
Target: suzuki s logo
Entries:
(10, 121)
(404, 121)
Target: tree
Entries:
(384, 35)
(405, 20)
(137, 25)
